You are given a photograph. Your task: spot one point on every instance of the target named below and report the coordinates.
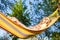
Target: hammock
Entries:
(22, 31)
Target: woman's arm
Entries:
(43, 24)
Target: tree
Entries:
(55, 36)
(30, 12)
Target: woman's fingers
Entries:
(14, 19)
(43, 24)
(45, 21)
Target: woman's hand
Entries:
(43, 24)
(14, 19)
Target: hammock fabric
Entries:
(21, 30)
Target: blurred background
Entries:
(30, 12)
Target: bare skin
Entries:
(43, 24)
(15, 20)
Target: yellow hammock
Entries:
(22, 31)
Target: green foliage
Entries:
(17, 9)
(18, 12)
(56, 36)
(48, 6)
(14, 38)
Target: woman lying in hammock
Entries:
(43, 24)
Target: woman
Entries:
(43, 24)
